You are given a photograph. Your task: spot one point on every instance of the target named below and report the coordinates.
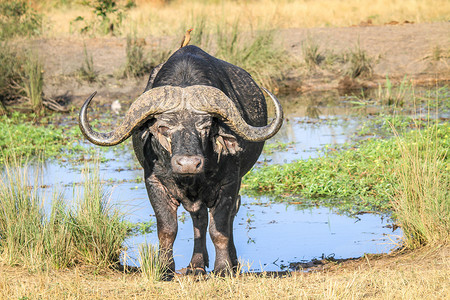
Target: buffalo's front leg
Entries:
(200, 258)
(166, 219)
(221, 229)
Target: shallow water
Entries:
(268, 236)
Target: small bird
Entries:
(186, 38)
(116, 107)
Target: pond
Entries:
(269, 235)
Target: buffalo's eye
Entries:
(205, 126)
(163, 129)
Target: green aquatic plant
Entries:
(271, 148)
(23, 136)
(359, 177)
(140, 227)
(395, 96)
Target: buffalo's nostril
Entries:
(187, 164)
(199, 163)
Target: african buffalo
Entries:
(197, 129)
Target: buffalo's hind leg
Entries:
(200, 258)
(166, 221)
(232, 248)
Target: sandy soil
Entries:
(395, 50)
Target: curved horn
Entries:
(154, 101)
(214, 101)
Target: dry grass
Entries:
(423, 274)
(155, 18)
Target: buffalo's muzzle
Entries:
(187, 164)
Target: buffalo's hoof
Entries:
(195, 271)
(167, 276)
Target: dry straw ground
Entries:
(422, 274)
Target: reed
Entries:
(96, 225)
(87, 71)
(21, 216)
(421, 202)
(92, 232)
(136, 64)
(33, 81)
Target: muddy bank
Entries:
(418, 51)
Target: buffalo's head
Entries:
(183, 122)
(184, 137)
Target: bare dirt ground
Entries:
(419, 51)
(396, 51)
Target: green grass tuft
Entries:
(311, 53)
(97, 227)
(257, 54)
(91, 233)
(136, 64)
(359, 64)
(421, 200)
(152, 267)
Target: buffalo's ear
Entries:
(226, 144)
(231, 144)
